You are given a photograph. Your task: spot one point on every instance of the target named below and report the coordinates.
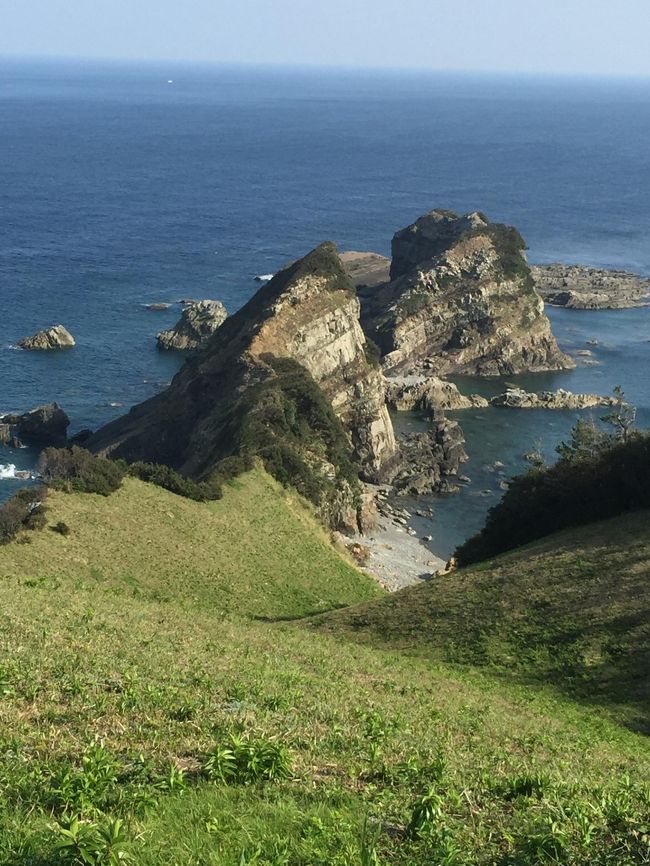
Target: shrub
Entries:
(77, 470)
(169, 479)
(25, 510)
(61, 527)
(244, 759)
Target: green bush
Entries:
(244, 759)
(25, 510)
(77, 470)
(164, 476)
(572, 492)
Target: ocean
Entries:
(125, 185)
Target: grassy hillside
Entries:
(571, 609)
(127, 696)
(230, 555)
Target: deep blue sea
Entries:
(119, 189)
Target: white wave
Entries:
(7, 470)
(264, 278)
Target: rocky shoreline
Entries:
(582, 288)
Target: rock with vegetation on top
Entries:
(196, 325)
(44, 425)
(287, 378)
(517, 398)
(57, 337)
(460, 298)
(581, 288)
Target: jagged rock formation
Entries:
(462, 298)
(57, 337)
(428, 394)
(196, 325)
(430, 459)
(282, 379)
(582, 288)
(44, 425)
(517, 398)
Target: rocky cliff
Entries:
(285, 378)
(196, 325)
(461, 298)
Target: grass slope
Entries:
(122, 702)
(573, 608)
(230, 555)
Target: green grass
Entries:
(570, 609)
(123, 690)
(230, 554)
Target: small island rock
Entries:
(56, 337)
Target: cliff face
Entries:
(236, 397)
(462, 298)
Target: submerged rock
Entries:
(460, 299)
(517, 398)
(582, 288)
(197, 324)
(57, 337)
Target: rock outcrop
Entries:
(461, 298)
(431, 459)
(428, 394)
(57, 337)
(274, 381)
(44, 425)
(582, 288)
(517, 398)
(196, 325)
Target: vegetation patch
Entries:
(571, 610)
(592, 481)
(77, 470)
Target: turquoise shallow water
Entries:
(117, 190)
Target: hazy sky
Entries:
(576, 36)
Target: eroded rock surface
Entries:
(517, 398)
(57, 337)
(583, 288)
(431, 459)
(461, 299)
(197, 324)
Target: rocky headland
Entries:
(56, 337)
(461, 298)
(304, 374)
(287, 378)
(583, 288)
(196, 325)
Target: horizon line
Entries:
(330, 67)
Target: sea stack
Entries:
(461, 298)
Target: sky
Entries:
(584, 37)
